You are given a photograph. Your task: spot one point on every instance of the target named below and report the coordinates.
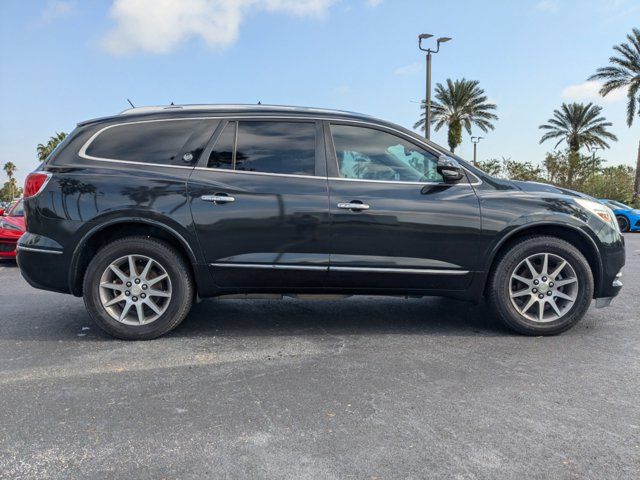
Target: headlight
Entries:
(9, 226)
(601, 211)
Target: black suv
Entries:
(144, 212)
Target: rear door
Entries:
(259, 200)
(395, 225)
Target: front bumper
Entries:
(612, 258)
(8, 240)
(603, 302)
(8, 248)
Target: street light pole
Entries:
(427, 97)
(475, 141)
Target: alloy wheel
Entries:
(543, 287)
(135, 290)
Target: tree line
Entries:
(462, 104)
(10, 190)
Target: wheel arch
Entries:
(576, 236)
(101, 234)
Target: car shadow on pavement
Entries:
(289, 317)
(353, 316)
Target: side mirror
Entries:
(450, 169)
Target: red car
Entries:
(11, 229)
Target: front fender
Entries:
(540, 222)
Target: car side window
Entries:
(222, 153)
(276, 147)
(369, 154)
(266, 147)
(171, 142)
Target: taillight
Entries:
(34, 183)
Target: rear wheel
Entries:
(623, 223)
(541, 286)
(138, 288)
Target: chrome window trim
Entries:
(259, 173)
(38, 250)
(224, 170)
(83, 150)
(393, 181)
(330, 268)
(132, 162)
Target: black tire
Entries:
(182, 287)
(623, 223)
(498, 288)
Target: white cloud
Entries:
(410, 69)
(342, 90)
(160, 26)
(547, 6)
(56, 9)
(588, 91)
(374, 3)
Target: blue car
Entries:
(628, 217)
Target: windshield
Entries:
(16, 210)
(621, 205)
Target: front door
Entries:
(260, 208)
(395, 224)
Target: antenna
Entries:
(132, 105)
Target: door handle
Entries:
(218, 198)
(356, 205)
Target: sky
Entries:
(65, 61)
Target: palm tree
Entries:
(460, 104)
(45, 150)
(578, 125)
(624, 72)
(10, 169)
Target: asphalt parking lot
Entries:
(360, 388)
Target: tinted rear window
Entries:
(276, 147)
(222, 153)
(173, 142)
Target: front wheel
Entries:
(138, 288)
(541, 286)
(623, 223)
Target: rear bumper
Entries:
(43, 263)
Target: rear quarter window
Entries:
(166, 142)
